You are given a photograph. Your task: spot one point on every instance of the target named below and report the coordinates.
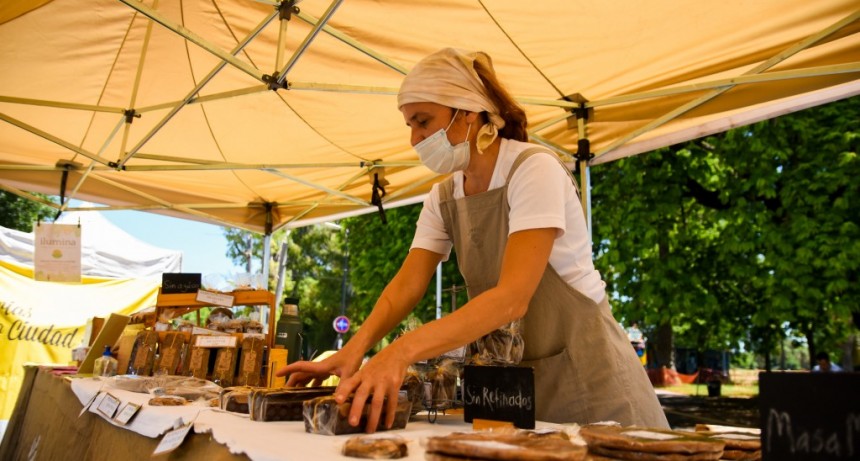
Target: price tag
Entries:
(216, 341)
(127, 412)
(218, 299)
(108, 405)
(172, 440)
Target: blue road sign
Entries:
(341, 324)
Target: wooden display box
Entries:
(180, 304)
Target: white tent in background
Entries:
(107, 250)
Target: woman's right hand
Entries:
(301, 373)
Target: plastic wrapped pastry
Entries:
(251, 363)
(414, 387)
(500, 347)
(323, 415)
(235, 399)
(170, 353)
(443, 384)
(283, 404)
(143, 353)
(375, 446)
(225, 366)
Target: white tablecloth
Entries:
(275, 441)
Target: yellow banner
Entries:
(41, 322)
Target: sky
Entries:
(203, 246)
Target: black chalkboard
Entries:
(810, 416)
(500, 394)
(177, 282)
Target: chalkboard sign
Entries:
(499, 394)
(810, 416)
(176, 282)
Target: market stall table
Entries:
(46, 425)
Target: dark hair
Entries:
(513, 115)
(822, 356)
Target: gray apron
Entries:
(586, 371)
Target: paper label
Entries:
(128, 411)
(172, 440)
(108, 405)
(650, 435)
(216, 341)
(218, 299)
(207, 331)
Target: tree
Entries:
(376, 252)
(726, 239)
(19, 213)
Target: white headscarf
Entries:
(448, 77)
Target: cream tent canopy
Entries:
(257, 114)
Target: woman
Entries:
(512, 213)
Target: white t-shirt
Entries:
(540, 195)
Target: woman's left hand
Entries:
(378, 380)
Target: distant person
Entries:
(824, 364)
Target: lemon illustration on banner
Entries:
(57, 254)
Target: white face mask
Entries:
(437, 153)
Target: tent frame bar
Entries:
(838, 69)
(194, 38)
(282, 75)
(200, 85)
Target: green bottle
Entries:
(289, 330)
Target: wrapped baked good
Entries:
(225, 366)
(513, 446)
(283, 404)
(645, 444)
(740, 446)
(198, 362)
(376, 446)
(251, 362)
(235, 399)
(143, 353)
(170, 353)
(414, 387)
(443, 384)
(499, 348)
(167, 401)
(231, 326)
(323, 415)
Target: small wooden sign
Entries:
(499, 394)
(809, 416)
(177, 282)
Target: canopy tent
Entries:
(106, 250)
(258, 114)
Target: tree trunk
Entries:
(665, 346)
(810, 341)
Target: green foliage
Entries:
(20, 214)
(376, 252)
(738, 237)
